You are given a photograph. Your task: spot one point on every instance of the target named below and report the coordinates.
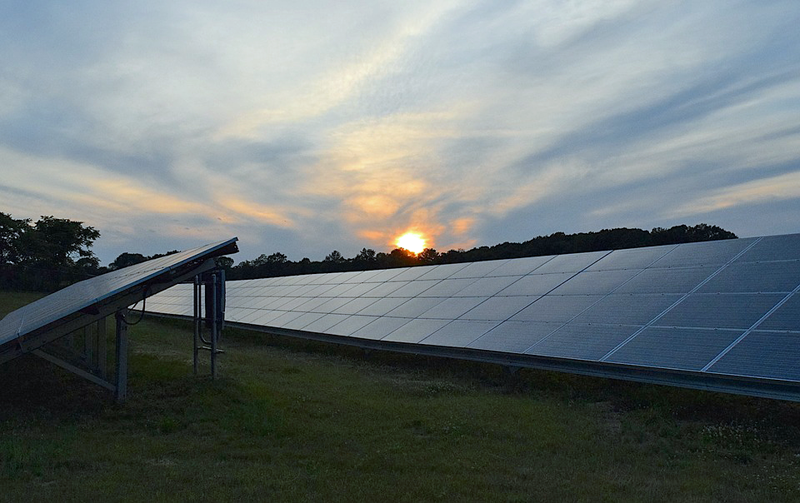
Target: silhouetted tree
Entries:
(277, 258)
(334, 257)
(159, 255)
(60, 241)
(126, 260)
(10, 231)
(46, 255)
(399, 257)
(686, 234)
(428, 256)
(366, 255)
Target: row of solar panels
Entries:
(718, 308)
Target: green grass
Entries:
(293, 420)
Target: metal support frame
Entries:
(213, 282)
(197, 320)
(83, 348)
(60, 342)
(92, 362)
(121, 374)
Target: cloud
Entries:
(310, 127)
(772, 189)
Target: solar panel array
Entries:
(718, 308)
(79, 296)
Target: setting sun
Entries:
(412, 242)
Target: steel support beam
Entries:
(121, 374)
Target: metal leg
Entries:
(197, 322)
(121, 385)
(102, 355)
(207, 311)
(214, 326)
(88, 346)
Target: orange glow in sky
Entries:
(412, 242)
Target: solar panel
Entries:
(452, 308)
(574, 262)
(535, 284)
(582, 341)
(595, 282)
(381, 327)
(443, 271)
(627, 309)
(786, 317)
(90, 294)
(498, 308)
(459, 333)
(514, 336)
(780, 349)
(721, 315)
(634, 258)
(355, 306)
(413, 308)
(382, 307)
(675, 348)
(415, 330)
(720, 310)
(706, 253)
(36, 327)
(351, 324)
(774, 248)
(556, 308)
(667, 280)
(755, 277)
(485, 286)
(478, 269)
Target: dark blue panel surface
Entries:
(672, 310)
(771, 355)
(670, 348)
(83, 295)
(582, 341)
(738, 311)
(514, 336)
(786, 317)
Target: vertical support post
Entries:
(214, 325)
(102, 354)
(121, 388)
(88, 353)
(197, 323)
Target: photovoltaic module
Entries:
(720, 315)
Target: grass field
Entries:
(298, 421)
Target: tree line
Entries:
(54, 252)
(277, 264)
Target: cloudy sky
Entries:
(307, 126)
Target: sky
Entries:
(304, 127)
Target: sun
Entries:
(412, 242)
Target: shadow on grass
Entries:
(34, 388)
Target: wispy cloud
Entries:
(772, 189)
(304, 128)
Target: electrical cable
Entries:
(144, 306)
